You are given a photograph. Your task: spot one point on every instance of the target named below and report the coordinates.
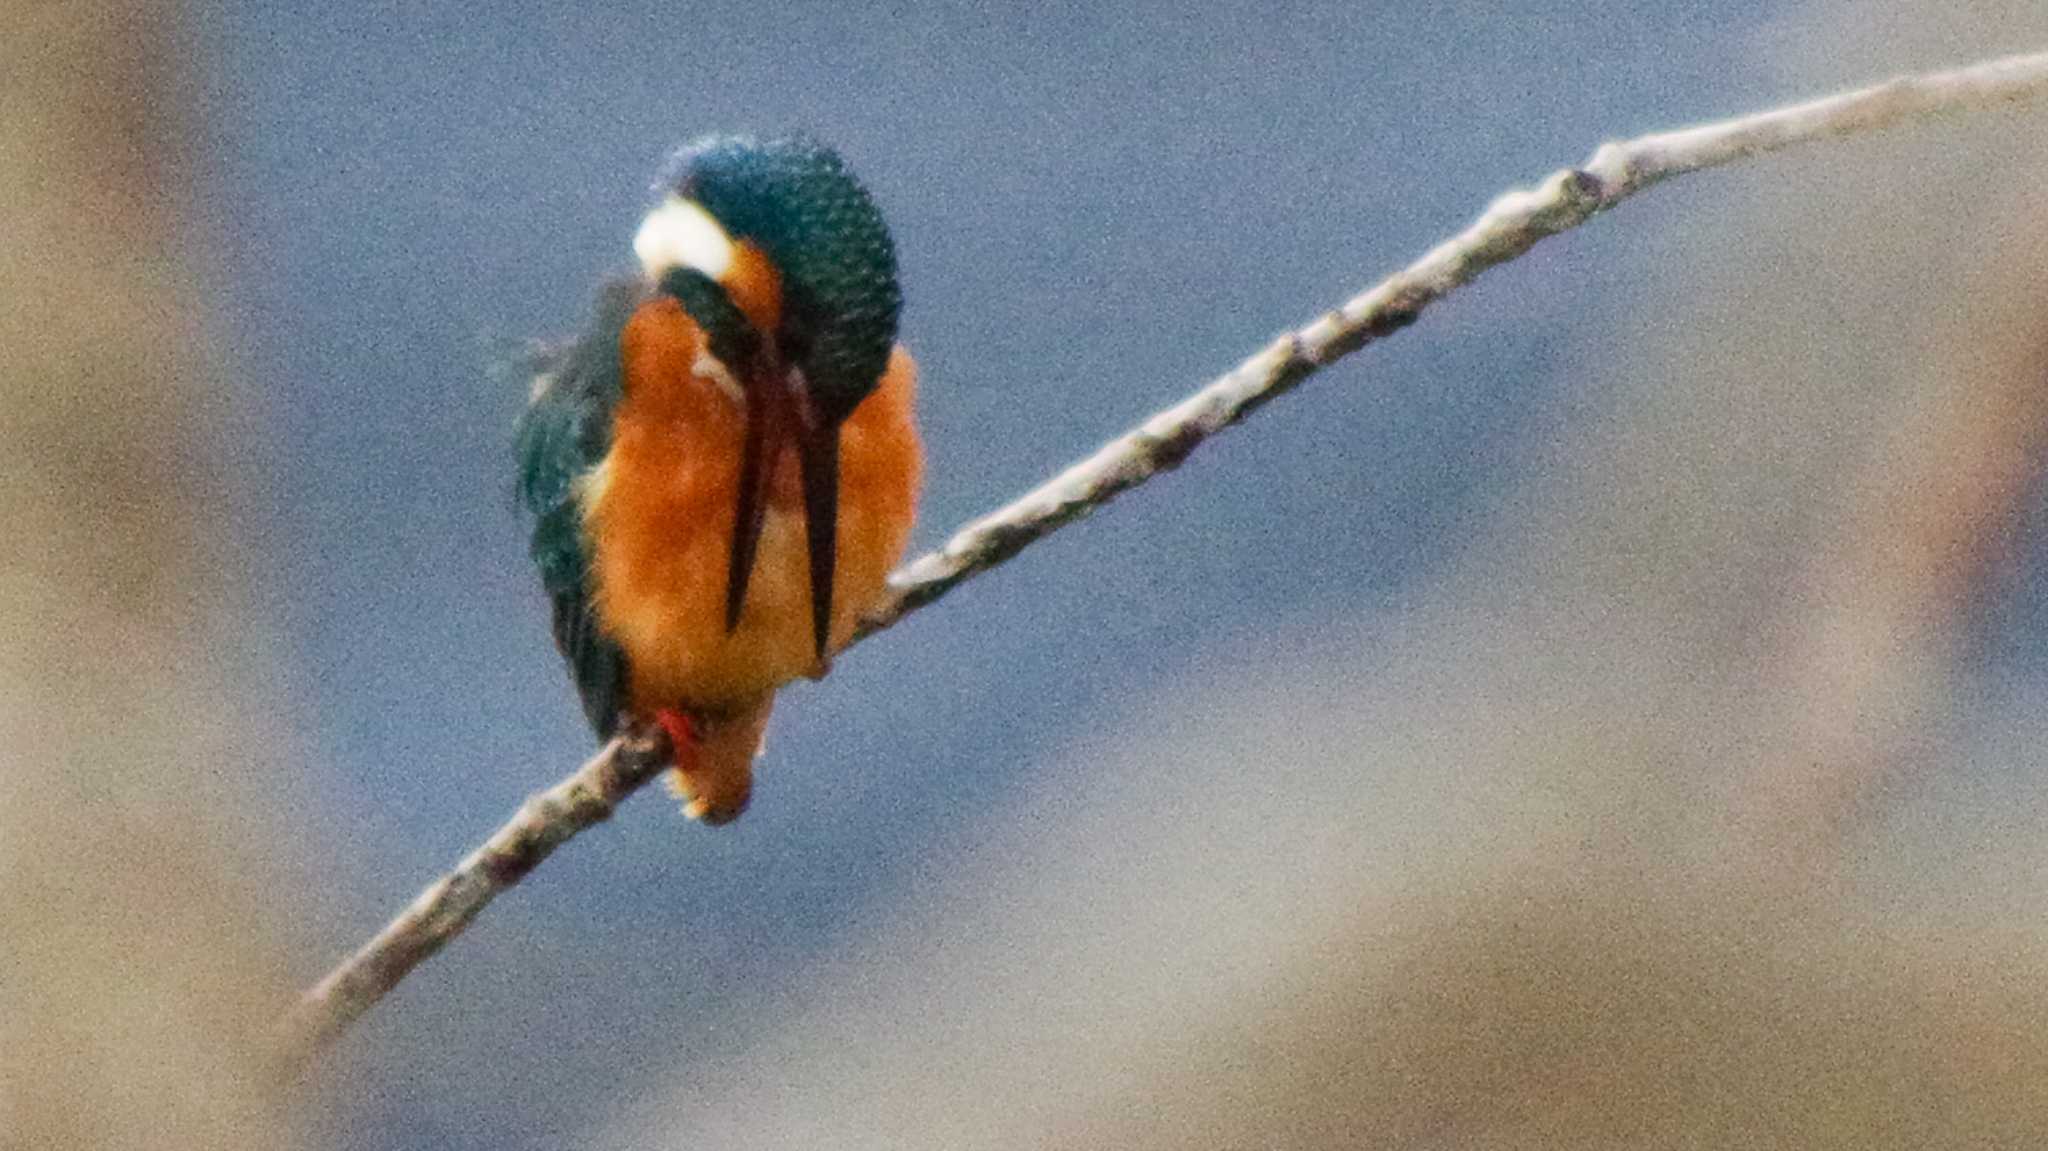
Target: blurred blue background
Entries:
(1097, 208)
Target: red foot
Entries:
(682, 734)
(709, 790)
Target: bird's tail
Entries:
(715, 776)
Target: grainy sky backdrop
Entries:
(1097, 207)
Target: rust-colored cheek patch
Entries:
(755, 286)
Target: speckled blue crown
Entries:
(794, 199)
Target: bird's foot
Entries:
(711, 790)
(682, 735)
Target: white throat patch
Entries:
(681, 234)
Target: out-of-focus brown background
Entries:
(1659, 767)
(141, 908)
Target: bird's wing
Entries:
(563, 434)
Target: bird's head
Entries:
(782, 258)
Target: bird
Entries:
(725, 464)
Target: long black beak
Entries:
(776, 416)
(818, 448)
(766, 415)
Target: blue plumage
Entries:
(564, 432)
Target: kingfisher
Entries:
(724, 466)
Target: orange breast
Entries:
(658, 518)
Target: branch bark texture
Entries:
(1510, 226)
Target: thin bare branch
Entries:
(438, 914)
(1509, 227)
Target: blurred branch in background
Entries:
(1864, 654)
(138, 927)
(1510, 227)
